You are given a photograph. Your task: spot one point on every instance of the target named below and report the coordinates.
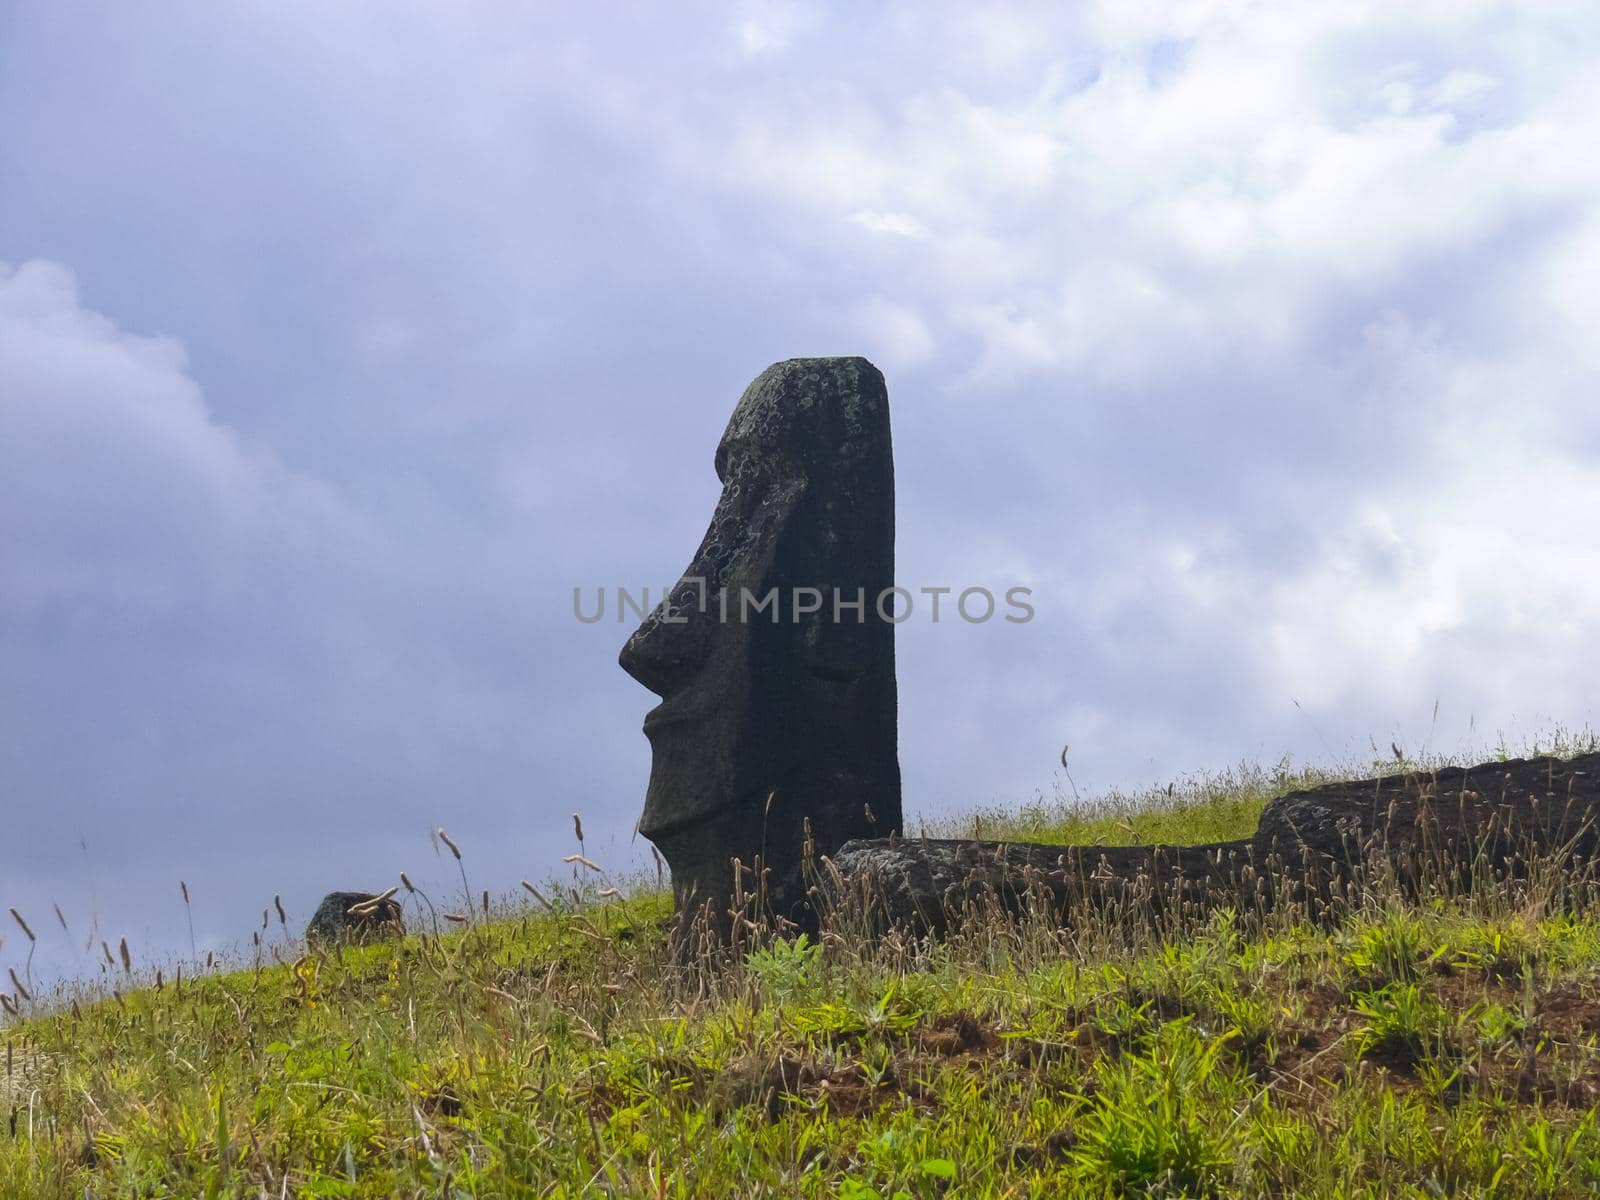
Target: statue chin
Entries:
(773, 725)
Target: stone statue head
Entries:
(772, 658)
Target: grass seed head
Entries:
(17, 917)
(445, 838)
(366, 908)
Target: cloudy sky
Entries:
(339, 343)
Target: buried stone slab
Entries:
(925, 883)
(1453, 825)
(1491, 813)
(774, 664)
(355, 917)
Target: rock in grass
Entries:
(1456, 826)
(355, 917)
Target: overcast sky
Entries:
(339, 343)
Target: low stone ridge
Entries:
(355, 917)
(1456, 822)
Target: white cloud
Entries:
(896, 224)
(119, 492)
(1241, 178)
(895, 334)
(1461, 87)
(770, 26)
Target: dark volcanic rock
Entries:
(926, 882)
(1449, 825)
(334, 920)
(1493, 811)
(772, 718)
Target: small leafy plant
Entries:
(785, 969)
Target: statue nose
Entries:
(664, 655)
(639, 661)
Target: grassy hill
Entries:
(1441, 1048)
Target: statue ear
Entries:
(837, 651)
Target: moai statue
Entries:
(774, 654)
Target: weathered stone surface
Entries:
(1454, 823)
(334, 920)
(924, 883)
(767, 723)
(1492, 811)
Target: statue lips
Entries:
(668, 713)
(668, 659)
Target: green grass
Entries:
(1215, 808)
(1444, 1048)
